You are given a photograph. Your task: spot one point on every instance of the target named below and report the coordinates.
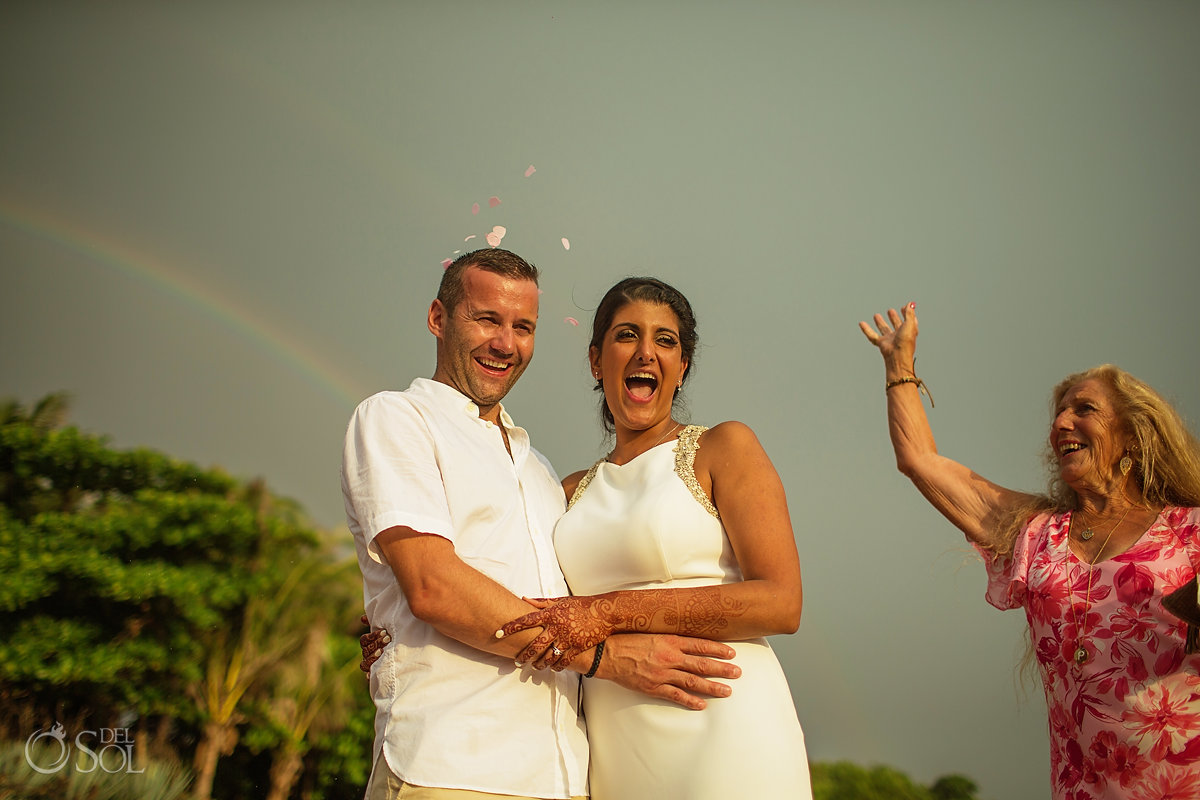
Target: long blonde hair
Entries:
(1166, 455)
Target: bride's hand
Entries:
(569, 626)
(372, 644)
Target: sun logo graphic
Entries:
(59, 734)
(113, 753)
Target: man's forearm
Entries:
(458, 600)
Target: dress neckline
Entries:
(1159, 520)
(686, 445)
(644, 452)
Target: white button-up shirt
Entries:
(448, 715)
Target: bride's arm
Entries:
(734, 470)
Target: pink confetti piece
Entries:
(529, 170)
(446, 263)
(571, 320)
(566, 243)
(475, 208)
(456, 252)
(493, 201)
(469, 238)
(494, 238)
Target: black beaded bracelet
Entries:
(596, 660)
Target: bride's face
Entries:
(640, 361)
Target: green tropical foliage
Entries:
(842, 780)
(138, 591)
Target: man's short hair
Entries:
(490, 259)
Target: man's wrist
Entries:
(591, 673)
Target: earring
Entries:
(1125, 464)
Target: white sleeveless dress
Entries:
(648, 525)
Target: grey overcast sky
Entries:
(221, 225)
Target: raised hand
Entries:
(895, 336)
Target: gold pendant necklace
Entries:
(1081, 653)
(661, 439)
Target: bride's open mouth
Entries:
(641, 386)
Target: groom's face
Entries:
(486, 341)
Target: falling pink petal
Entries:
(496, 235)
(469, 238)
(446, 263)
(456, 252)
(571, 320)
(529, 170)
(493, 201)
(475, 208)
(566, 243)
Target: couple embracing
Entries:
(674, 558)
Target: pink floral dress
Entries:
(1124, 723)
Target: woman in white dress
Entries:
(682, 530)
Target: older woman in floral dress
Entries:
(1090, 563)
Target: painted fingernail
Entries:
(386, 638)
(374, 653)
(518, 664)
(500, 634)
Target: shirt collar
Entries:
(448, 394)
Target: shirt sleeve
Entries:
(390, 472)
(1008, 575)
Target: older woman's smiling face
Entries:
(1088, 436)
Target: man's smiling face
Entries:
(486, 341)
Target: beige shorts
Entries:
(384, 785)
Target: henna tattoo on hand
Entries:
(574, 624)
(372, 645)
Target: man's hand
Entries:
(673, 668)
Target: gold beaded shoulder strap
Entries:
(685, 465)
(583, 483)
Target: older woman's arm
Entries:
(972, 503)
(735, 472)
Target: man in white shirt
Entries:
(452, 513)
